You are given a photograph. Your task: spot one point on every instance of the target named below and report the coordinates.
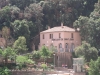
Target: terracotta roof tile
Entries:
(60, 28)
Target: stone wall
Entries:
(39, 73)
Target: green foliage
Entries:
(82, 24)
(36, 55)
(15, 13)
(30, 61)
(86, 51)
(45, 53)
(20, 45)
(73, 54)
(52, 49)
(42, 13)
(90, 27)
(6, 53)
(21, 3)
(94, 67)
(21, 28)
(5, 17)
(44, 66)
(4, 71)
(21, 59)
(34, 13)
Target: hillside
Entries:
(28, 17)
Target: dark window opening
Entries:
(50, 36)
(43, 36)
(60, 47)
(59, 35)
(66, 47)
(71, 35)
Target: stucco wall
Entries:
(65, 38)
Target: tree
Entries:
(7, 52)
(86, 51)
(15, 12)
(6, 34)
(21, 28)
(94, 67)
(83, 24)
(5, 16)
(34, 13)
(36, 55)
(4, 71)
(45, 53)
(20, 45)
(21, 3)
(90, 26)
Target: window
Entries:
(66, 47)
(51, 36)
(71, 35)
(60, 47)
(59, 35)
(72, 47)
(43, 36)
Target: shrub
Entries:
(4, 71)
(44, 66)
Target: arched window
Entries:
(66, 47)
(72, 47)
(60, 47)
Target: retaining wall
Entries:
(38, 73)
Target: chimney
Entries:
(48, 27)
(62, 24)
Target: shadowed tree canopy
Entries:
(21, 28)
(94, 67)
(86, 51)
(21, 3)
(90, 26)
(20, 46)
(34, 13)
(33, 16)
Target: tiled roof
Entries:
(60, 28)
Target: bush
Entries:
(4, 71)
(44, 66)
(30, 61)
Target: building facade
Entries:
(63, 38)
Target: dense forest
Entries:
(28, 17)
